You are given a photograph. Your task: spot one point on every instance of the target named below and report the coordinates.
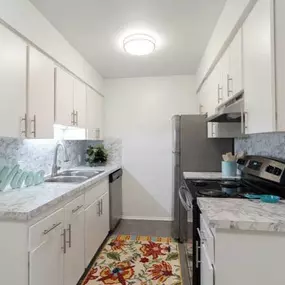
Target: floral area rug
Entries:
(141, 260)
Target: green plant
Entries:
(96, 154)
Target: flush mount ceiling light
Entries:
(139, 44)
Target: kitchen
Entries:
(208, 82)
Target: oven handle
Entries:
(186, 203)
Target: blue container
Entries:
(229, 168)
(270, 198)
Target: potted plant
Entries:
(96, 155)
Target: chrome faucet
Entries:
(55, 168)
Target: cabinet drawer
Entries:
(74, 208)
(41, 231)
(96, 191)
(207, 238)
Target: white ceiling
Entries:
(96, 28)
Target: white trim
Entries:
(168, 219)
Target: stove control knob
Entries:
(270, 169)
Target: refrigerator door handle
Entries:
(185, 202)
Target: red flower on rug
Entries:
(152, 248)
(144, 260)
(117, 244)
(161, 272)
(91, 276)
(119, 275)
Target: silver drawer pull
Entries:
(76, 209)
(52, 228)
(201, 235)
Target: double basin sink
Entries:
(73, 176)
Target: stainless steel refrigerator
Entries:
(192, 151)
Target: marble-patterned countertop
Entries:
(26, 203)
(243, 214)
(208, 176)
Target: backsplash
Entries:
(37, 155)
(270, 144)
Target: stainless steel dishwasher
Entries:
(116, 203)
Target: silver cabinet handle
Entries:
(73, 118)
(64, 241)
(52, 228)
(197, 254)
(25, 120)
(34, 122)
(99, 208)
(69, 235)
(229, 79)
(97, 133)
(245, 120)
(213, 133)
(220, 99)
(76, 115)
(76, 209)
(202, 237)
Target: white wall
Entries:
(139, 111)
(232, 15)
(27, 20)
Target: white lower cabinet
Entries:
(92, 223)
(232, 256)
(97, 224)
(74, 241)
(207, 270)
(46, 255)
(56, 249)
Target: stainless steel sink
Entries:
(75, 173)
(67, 179)
(73, 176)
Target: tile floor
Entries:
(154, 228)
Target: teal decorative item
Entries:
(17, 178)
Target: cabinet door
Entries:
(13, 62)
(80, 103)
(207, 270)
(234, 77)
(92, 230)
(46, 261)
(94, 115)
(258, 63)
(64, 112)
(74, 257)
(105, 215)
(40, 95)
(222, 70)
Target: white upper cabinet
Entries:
(258, 60)
(70, 94)
(94, 115)
(79, 103)
(222, 70)
(40, 96)
(13, 67)
(234, 76)
(64, 112)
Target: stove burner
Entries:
(230, 184)
(212, 193)
(200, 182)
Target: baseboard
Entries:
(164, 219)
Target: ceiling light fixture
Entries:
(139, 44)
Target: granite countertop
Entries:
(208, 176)
(243, 214)
(26, 203)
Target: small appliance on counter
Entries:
(261, 178)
